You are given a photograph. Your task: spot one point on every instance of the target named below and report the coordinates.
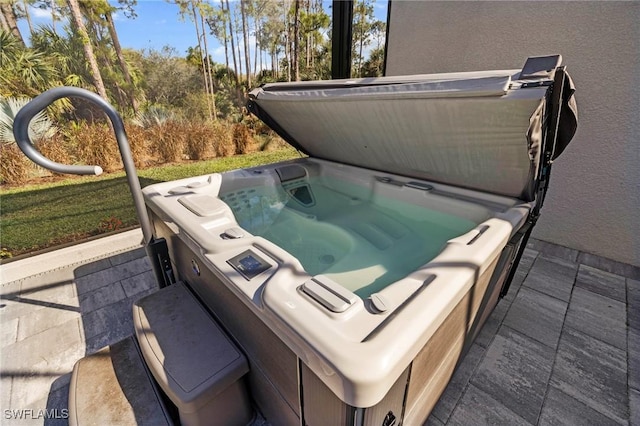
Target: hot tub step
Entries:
(195, 363)
(113, 386)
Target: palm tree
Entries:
(233, 47)
(23, 71)
(296, 38)
(96, 77)
(245, 38)
(121, 61)
(9, 19)
(40, 126)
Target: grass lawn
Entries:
(38, 216)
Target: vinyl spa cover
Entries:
(479, 130)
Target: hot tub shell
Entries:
(475, 145)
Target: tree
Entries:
(296, 38)
(96, 77)
(362, 24)
(233, 48)
(10, 20)
(121, 60)
(168, 79)
(217, 23)
(245, 38)
(23, 71)
(372, 67)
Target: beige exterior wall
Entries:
(593, 203)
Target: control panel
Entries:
(249, 264)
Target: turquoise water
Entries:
(361, 240)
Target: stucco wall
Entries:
(593, 203)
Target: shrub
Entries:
(139, 146)
(242, 138)
(154, 116)
(223, 138)
(40, 126)
(55, 149)
(14, 166)
(198, 140)
(270, 142)
(168, 141)
(95, 144)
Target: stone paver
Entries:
(554, 251)
(43, 320)
(103, 296)
(515, 372)
(633, 345)
(458, 383)
(634, 404)
(601, 282)
(478, 408)
(556, 350)
(609, 265)
(553, 277)
(599, 317)
(537, 315)
(592, 372)
(139, 283)
(561, 409)
(491, 326)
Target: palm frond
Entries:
(40, 127)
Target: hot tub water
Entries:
(356, 237)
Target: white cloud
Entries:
(37, 13)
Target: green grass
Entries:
(38, 216)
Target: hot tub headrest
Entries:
(291, 172)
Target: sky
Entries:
(158, 24)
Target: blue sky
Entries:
(158, 24)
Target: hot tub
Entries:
(354, 279)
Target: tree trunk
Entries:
(233, 46)
(96, 77)
(202, 61)
(362, 18)
(226, 39)
(53, 16)
(10, 20)
(245, 38)
(287, 43)
(296, 37)
(208, 69)
(235, 21)
(26, 15)
(4, 23)
(121, 61)
(255, 53)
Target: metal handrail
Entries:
(40, 102)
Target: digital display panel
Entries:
(249, 264)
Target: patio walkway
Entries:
(561, 348)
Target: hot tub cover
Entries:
(480, 130)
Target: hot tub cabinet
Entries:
(354, 279)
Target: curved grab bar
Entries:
(40, 102)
